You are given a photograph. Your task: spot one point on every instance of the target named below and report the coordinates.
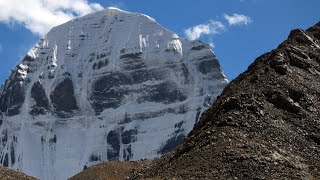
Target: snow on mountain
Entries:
(112, 85)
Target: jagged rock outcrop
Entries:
(265, 124)
(112, 85)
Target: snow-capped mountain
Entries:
(112, 85)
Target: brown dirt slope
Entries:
(265, 125)
(8, 174)
(110, 171)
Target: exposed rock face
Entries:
(12, 93)
(62, 97)
(39, 95)
(112, 85)
(265, 124)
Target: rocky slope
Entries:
(112, 170)
(112, 85)
(8, 174)
(265, 125)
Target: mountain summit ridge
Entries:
(111, 85)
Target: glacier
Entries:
(111, 85)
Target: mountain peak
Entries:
(111, 85)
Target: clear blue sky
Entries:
(236, 46)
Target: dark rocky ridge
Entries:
(265, 125)
(12, 93)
